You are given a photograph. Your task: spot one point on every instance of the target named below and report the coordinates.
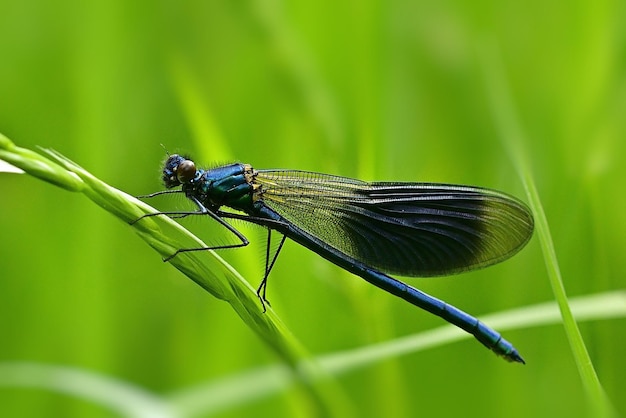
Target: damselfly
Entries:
(368, 229)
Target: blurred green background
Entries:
(392, 90)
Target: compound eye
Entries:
(186, 171)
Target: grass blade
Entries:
(229, 392)
(207, 269)
(514, 140)
(223, 394)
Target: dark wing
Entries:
(410, 229)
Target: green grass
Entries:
(166, 236)
(513, 96)
(514, 138)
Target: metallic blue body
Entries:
(260, 194)
(486, 335)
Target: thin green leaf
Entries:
(38, 166)
(207, 269)
(514, 139)
(226, 393)
(223, 394)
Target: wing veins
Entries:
(416, 229)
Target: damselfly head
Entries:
(178, 170)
